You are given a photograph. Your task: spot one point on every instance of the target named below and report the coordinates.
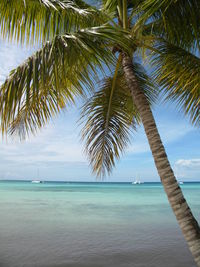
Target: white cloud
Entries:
(193, 163)
(48, 146)
(187, 169)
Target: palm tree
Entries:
(80, 45)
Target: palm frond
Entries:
(178, 73)
(111, 116)
(176, 21)
(33, 115)
(107, 131)
(110, 7)
(55, 74)
(40, 20)
(50, 78)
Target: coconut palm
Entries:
(83, 47)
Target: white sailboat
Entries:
(137, 181)
(179, 182)
(37, 181)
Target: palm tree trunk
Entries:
(185, 218)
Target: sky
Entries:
(56, 152)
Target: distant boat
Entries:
(136, 182)
(36, 182)
(179, 182)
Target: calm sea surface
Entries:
(91, 225)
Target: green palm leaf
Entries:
(106, 131)
(35, 114)
(40, 20)
(178, 73)
(110, 7)
(111, 116)
(177, 21)
(54, 75)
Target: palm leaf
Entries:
(111, 116)
(53, 76)
(176, 21)
(178, 73)
(40, 20)
(36, 114)
(106, 131)
(110, 7)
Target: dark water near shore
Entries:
(91, 225)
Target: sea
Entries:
(72, 224)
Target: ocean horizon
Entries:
(92, 182)
(92, 224)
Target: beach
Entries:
(91, 225)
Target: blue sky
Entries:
(58, 153)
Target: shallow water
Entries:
(91, 225)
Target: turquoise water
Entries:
(91, 225)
